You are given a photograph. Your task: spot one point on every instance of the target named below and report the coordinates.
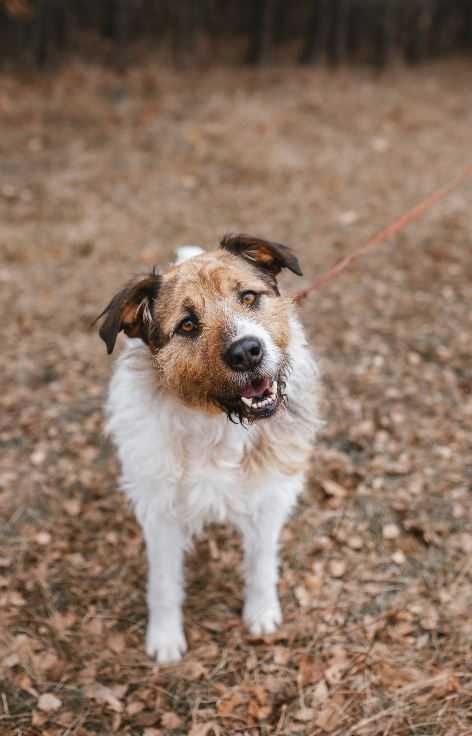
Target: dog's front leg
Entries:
(262, 613)
(165, 549)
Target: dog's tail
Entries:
(184, 252)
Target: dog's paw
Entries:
(166, 644)
(262, 616)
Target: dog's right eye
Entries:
(188, 326)
(249, 298)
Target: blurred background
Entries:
(44, 32)
(127, 129)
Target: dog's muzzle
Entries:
(258, 393)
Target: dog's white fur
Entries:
(182, 469)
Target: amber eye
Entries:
(249, 298)
(188, 326)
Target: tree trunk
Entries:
(260, 46)
(121, 35)
(42, 24)
(314, 46)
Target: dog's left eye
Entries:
(249, 298)
(188, 326)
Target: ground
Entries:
(101, 177)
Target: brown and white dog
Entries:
(217, 342)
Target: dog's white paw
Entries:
(166, 644)
(262, 616)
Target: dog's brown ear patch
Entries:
(271, 257)
(130, 310)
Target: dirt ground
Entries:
(101, 177)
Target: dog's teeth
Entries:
(255, 403)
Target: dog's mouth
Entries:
(260, 397)
(256, 397)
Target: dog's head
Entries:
(216, 326)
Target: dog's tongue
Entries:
(255, 388)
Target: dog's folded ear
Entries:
(271, 257)
(130, 310)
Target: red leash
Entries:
(410, 216)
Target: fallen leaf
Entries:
(43, 538)
(348, 218)
(309, 671)
(281, 655)
(72, 506)
(94, 626)
(398, 557)
(192, 669)
(305, 715)
(330, 716)
(337, 568)
(227, 706)
(16, 599)
(393, 677)
(117, 643)
(205, 729)
(136, 706)
(302, 596)
(390, 531)
(466, 542)
(448, 682)
(355, 542)
(260, 694)
(38, 719)
(333, 489)
(61, 622)
(102, 694)
(116, 722)
(11, 661)
(171, 720)
(258, 711)
(49, 703)
(429, 622)
(321, 692)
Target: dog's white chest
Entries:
(174, 459)
(210, 484)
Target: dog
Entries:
(213, 410)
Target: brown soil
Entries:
(100, 177)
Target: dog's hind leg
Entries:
(165, 638)
(262, 613)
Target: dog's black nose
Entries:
(244, 354)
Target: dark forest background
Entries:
(45, 32)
